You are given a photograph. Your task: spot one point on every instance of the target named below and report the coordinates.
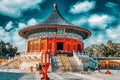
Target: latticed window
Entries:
(43, 46)
(36, 46)
(51, 46)
(30, 46)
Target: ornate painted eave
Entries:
(36, 29)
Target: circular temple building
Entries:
(54, 34)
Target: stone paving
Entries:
(17, 76)
(36, 76)
(61, 76)
(67, 76)
(115, 75)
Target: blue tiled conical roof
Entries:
(55, 18)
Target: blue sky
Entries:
(101, 17)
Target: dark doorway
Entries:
(79, 47)
(59, 45)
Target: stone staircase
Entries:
(75, 66)
(64, 62)
(21, 62)
(11, 64)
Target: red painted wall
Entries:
(69, 44)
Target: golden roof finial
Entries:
(55, 6)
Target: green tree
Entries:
(109, 50)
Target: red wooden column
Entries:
(47, 44)
(71, 45)
(65, 45)
(27, 49)
(32, 47)
(82, 46)
(52, 47)
(39, 45)
(76, 45)
(55, 46)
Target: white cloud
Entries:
(2, 31)
(95, 39)
(114, 34)
(9, 25)
(15, 8)
(99, 21)
(110, 4)
(82, 7)
(4, 36)
(12, 36)
(21, 26)
(113, 9)
(17, 40)
(31, 22)
(95, 21)
(104, 36)
(80, 21)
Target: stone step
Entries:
(75, 66)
